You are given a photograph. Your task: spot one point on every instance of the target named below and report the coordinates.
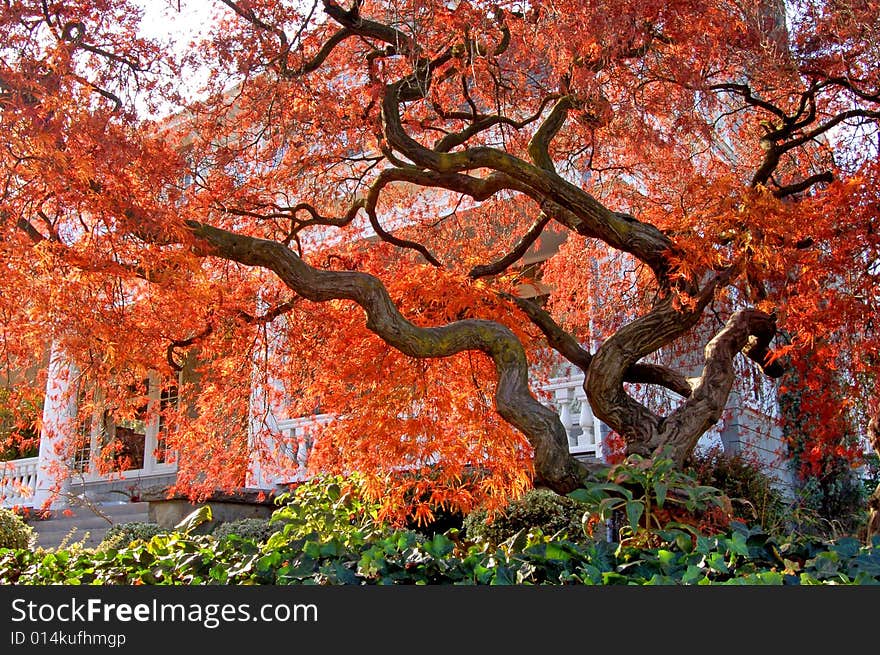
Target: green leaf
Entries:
(616, 488)
(194, 519)
(556, 552)
(684, 543)
(826, 564)
(658, 579)
(737, 544)
(716, 562)
(807, 579)
(634, 511)
(693, 574)
(847, 547)
(504, 576)
(584, 495)
(660, 489)
(667, 558)
(610, 577)
(608, 505)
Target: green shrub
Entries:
(537, 508)
(14, 532)
(752, 492)
(324, 508)
(641, 495)
(122, 534)
(256, 530)
(684, 557)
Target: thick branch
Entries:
(539, 144)
(514, 402)
(567, 346)
(352, 19)
(315, 62)
(745, 92)
(604, 383)
(748, 331)
(557, 338)
(581, 211)
(571, 205)
(798, 187)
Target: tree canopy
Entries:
(342, 213)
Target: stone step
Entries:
(74, 523)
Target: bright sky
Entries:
(179, 22)
(165, 18)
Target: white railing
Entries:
(18, 480)
(296, 442)
(567, 397)
(585, 432)
(288, 462)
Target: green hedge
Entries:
(538, 508)
(256, 530)
(14, 532)
(122, 534)
(743, 556)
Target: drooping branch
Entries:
(560, 340)
(554, 466)
(574, 207)
(566, 345)
(578, 210)
(515, 254)
(386, 236)
(171, 350)
(481, 124)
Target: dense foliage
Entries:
(541, 509)
(698, 181)
(120, 535)
(741, 556)
(755, 497)
(14, 532)
(320, 535)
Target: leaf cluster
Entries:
(684, 557)
(14, 532)
(638, 490)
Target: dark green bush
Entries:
(14, 532)
(684, 557)
(256, 530)
(538, 508)
(753, 494)
(122, 534)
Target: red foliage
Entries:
(98, 254)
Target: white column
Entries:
(151, 426)
(57, 434)
(266, 409)
(587, 437)
(260, 423)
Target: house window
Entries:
(169, 400)
(82, 456)
(132, 437)
(124, 439)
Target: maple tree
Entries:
(711, 171)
